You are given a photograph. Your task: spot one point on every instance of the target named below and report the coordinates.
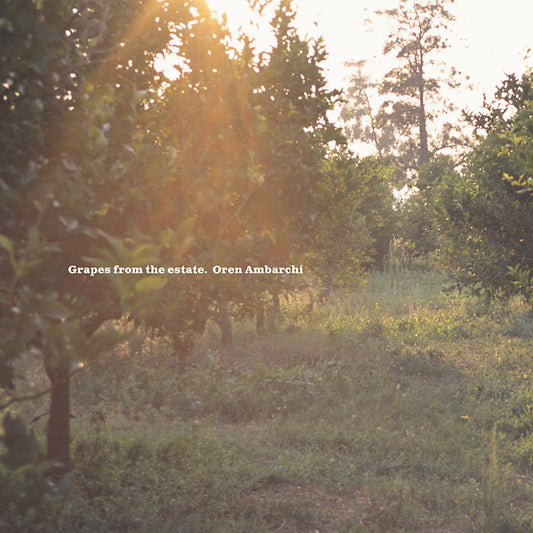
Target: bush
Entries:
(29, 499)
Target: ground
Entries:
(396, 407)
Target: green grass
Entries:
(386, 409)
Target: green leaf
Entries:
(7, 245)
(150, 284)
(101, 212)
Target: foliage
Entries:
(108, 162)
(418, 228)
(361, 122)
(485, 222)
(406, 126)
(69, 182)
(252, 174)
(355, 235)
(29, 498)
(522, 279)
(517, 140)
(206, 120)
(292, 97)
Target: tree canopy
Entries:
(109, 164)
(401, 115)
(485, 214)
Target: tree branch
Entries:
(34, 396)
(28, 397)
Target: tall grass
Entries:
(400, 409)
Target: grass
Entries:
(386, 409)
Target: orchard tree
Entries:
(418, 214)
(514, 96)
(206, 118)
(47, 205)
(291, 95)
(485, 221)
(78, 156)
(406, 123)
(250, 133)
(355, 227)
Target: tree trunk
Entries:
(275, 300)
(58, 432)
(375, 137)
(424, 151)
(224, 323)
(276, 310)
(311, 305)
(422, 118)
(260, 319)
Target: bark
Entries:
(424, 151)
(276, 310)
(58, 431)
(311, 305)
(224, 323)
(275, 300)
(260, 319)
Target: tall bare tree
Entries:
(402, 124)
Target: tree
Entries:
(402, 125)
(290, 93)
(251, 131)
(41, 188)
(107, 162)
(418, 228)
(76, 89)
(355, 226)
(484, 221)
(207, 120)
(514, 96)
(360, 114)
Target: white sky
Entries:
(491, 37)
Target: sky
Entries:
(489, 38)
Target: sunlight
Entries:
(171, 65)
(237, 10)
(340, 23)
(240, 17)
(347, 37)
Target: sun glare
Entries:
(239, 18)
(238, 12)
(342, 25)
(233, 8)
